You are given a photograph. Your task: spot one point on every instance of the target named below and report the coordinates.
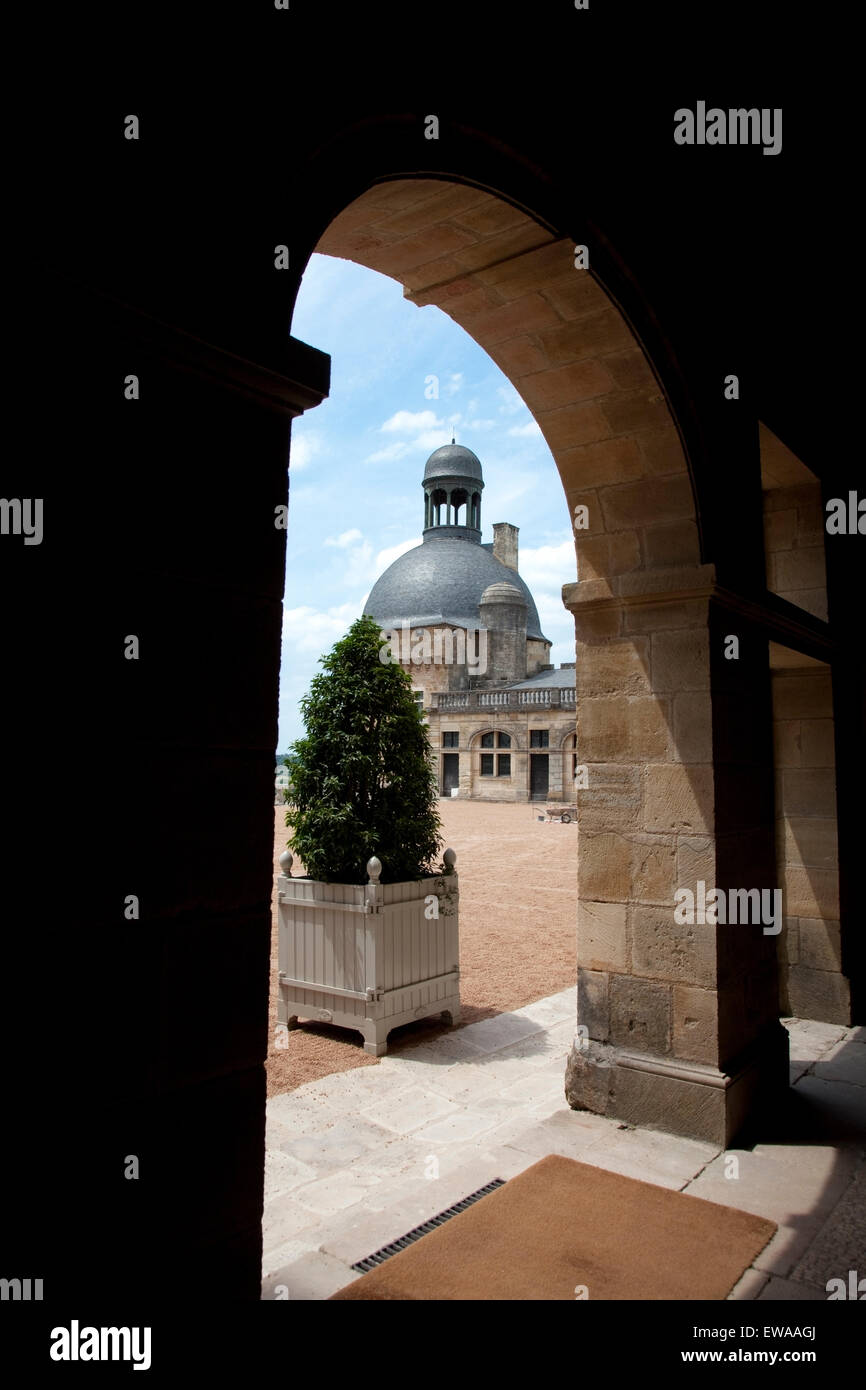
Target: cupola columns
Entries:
(453, 483)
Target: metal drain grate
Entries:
(418, 1231)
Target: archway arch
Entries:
(643, 606)
(512, 284)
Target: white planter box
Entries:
(369, 957)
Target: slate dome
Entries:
(443, 580)
(453, 461)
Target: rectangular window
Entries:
(486, 740)
(450, 740)
(486, 764)
(539, 738)
(504, 765)
(418, 696)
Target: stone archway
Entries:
(675, 1037)
(167, 270)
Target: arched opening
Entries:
(221, 371)
(646, 612)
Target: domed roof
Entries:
(443, 580)
(453, 461)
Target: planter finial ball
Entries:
(286, 861)
(374, 869)
(449, 859)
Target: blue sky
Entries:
(355, 500)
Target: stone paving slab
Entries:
(557, 1008)
(570, 1133)
(337, 1191)
(837, 1109)
(334, 1148)
(749, 1286)
(314, 1276)
(649, 1156)
(843, 1062)
(812, 1047)
(360, 1158)
(793, 1187)
(283, 1173)
(455, 1128)
(410, 1110)
(787, 1246)
(840, 1245)
(285, 1220)
(785, 1290)
(493, 1033)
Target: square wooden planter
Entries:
(368, 956)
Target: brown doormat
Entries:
(561, 1227)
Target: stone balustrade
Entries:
(547, 697)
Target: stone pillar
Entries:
(812, 981)
(555, 790)
(682, 1019)
(178, 562)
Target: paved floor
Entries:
(357, 1159)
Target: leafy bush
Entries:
(362, 779)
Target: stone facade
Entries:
(501, 719)
(497, 745)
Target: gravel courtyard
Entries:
(518, 906)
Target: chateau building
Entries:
(461, 620)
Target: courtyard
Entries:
(518, 905)
(356, 1160)
(361, 1151)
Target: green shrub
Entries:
(362, 779)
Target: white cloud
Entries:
(480, 424)
(511, 401)
(431, 439)
(358, 560)
(345, 539)
(548, 567)
(498, 498)
(524, 431)
(556, 621)
(393, 552)
(389, 453)
(454, 384)
(312, 631)
(304, 447)
(410, 421)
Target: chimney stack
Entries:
(505, 543)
